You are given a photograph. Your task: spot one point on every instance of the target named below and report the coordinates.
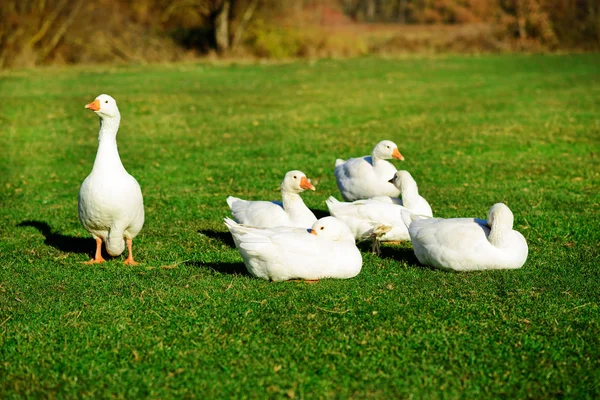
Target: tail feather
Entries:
(115, 243)
(231, 200)
(331, 201)
(241, 229)
(228, 221)
(409, 217)
(339, 162)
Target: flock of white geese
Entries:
(284, 240)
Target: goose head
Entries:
(332, 228)
(105, 106)
(296, 182)
(500, 220)
(404, 181)
(387, 149)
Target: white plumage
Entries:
(368, 176)
(468, 244)
(291, 211)
(327, 250)
(381, 217)
(111, 206)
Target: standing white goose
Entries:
(368, 176)
(327, 250)
(111, 206)
(381, 217)
(291, 211)
(468, 244)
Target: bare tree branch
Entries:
(222, 27)
(241, 28)
(60, 33)
(47, 23)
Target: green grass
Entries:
(189, 322)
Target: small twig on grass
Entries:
(332, 311)
(174, 265)
(157, 315)
(6, 320)
(333, 352)
(579, 306)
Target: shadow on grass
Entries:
(69, 244)
(224, 268)
(320, 213)
(402, 254)
(223, 237)
(399, 253)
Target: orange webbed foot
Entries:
(98, 256)
(130, 261)
(94, 261)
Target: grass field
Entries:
(189, 321)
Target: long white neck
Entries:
(293, 204)
(497, 234)
(500, 220)
(410, 194)
(376, 160)
(107, 156)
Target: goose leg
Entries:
(129, 260)
(98, 257)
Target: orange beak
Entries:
(313, 232)
(305, 183)
(94, 105)
(396, 154)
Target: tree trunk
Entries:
(222, 27)
(370, 10)
(521, 19)
(402, 8)
(241, 28)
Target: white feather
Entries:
(291, 211)
(469, 244)
(285, 253)
(368, 176)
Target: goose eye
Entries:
(322, 227)
(295, 177)
(106, 101)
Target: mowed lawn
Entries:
(190, 322)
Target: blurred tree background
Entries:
(37, 32)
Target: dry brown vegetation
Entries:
(34, 32)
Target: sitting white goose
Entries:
(291, 211)
(327, 250)
(111, 206)
(409, 191)
(368, 176)
(468, 244)
(381, 217)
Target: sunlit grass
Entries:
(524, 130)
